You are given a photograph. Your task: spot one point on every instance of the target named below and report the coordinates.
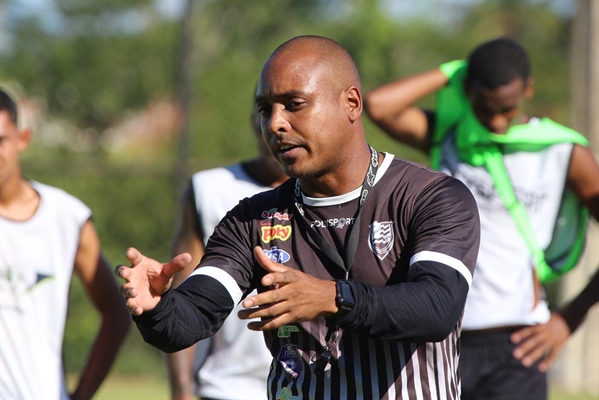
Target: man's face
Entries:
(302, 115)
(497, 108)
(12, 142)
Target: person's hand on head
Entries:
(295, 297)
(147, 279)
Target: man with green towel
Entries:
(533, 181)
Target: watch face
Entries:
(345, 298)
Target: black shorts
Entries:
(489, 370)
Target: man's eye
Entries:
(263, 110)
(294, 105)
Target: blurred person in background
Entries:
(234, 363)
(373, 255)
(525, 173)
(45, 235)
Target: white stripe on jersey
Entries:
(416, 365)
(443, 259)
(224, 278)
(390, 379)
(440, 369)
(404, 373)
(430, 371)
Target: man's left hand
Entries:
(295, 297)
(543, 340)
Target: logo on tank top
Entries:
(14, 287)
(277, 255)
(381, 238)
(270, 233)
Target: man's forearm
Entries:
(425, 310)
(180, 371)
(575, 312)
(193, 311)
(394, 97)
(102, 355)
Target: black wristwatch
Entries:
(345, 299)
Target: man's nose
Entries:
(278, 123)
(498, 123)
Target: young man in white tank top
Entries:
(507, 326)
(46, 234)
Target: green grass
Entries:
(133, 387)
(148, 387)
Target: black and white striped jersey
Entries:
(418, 242)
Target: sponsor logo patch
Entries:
(286, 330)
(290, 361)
(273, 213)
(286, 394)
(381, 238)
(338, 223)
(270, 233)
(277, 255)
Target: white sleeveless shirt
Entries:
(502, 290)
(36, 264)
(238, 364)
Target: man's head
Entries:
(310, 103)
(13, 141)
(498, 82)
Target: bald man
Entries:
(362, 261)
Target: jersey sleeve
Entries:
(197, 308)
(426, 307)
(445, 226)
(230, 248)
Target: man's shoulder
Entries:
(53, 193)
(417, 180)
(60, 199)
(271, 195)
(410, 172)
(230, 171)
(221, 177)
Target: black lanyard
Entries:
(352, 243)
(350, 250)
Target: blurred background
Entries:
(127, 99)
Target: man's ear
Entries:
(529, 90)
(24, 138)
(354, 104)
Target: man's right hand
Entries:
(147, 279)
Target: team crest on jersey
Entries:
(290, 361)
(277, 255)
(270, 233)
(381, 238)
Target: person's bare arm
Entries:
(98, 281)
(180, 364)
(391, 107)
(547, 339)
